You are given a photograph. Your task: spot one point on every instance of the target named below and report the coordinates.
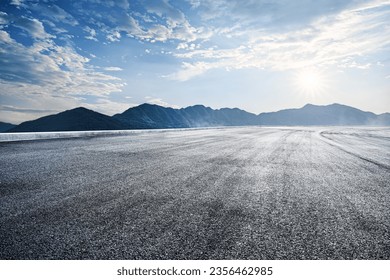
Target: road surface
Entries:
(227, 193)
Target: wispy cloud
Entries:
(33, 27)
(114, 36)
(24, 110)
(55, 13)
(16, 2)
(91, 33)
(3, 18)
(49, 68)
(167, 27)
(327, 40)
(113, 68)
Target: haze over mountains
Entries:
(78, 119)
(147, 116)
(154, 116)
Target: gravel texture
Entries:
(227, 193)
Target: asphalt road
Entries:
(231, 193)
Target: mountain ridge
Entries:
(76, 119)
(4, 126)
(152, 116)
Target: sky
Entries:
(257, 55)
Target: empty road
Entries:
(226, 193)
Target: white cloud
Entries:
(114, 36)
(16, 2)
(10, 108)
(53, 12)
(47, 68)
(276, 14)
(131, 25)
(194, 3)
(33, 26)
(188, 47)
(123, 4)
(328, 40)
(162, 8)
(161, 23)
(3, 18)
(58, 14)
(182, 46)
(113, 68)
(5, 38)
(56, 29)
(91, 32)
(349, 62)
(191, 70)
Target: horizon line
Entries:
(173, 107)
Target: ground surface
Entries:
(234, 193)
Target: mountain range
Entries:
(6, 126)
(148, 116)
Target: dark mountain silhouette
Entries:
(148, 116)
(154, 116)
(200, 115)
(151, 116)
(77, 119)
(5, 126)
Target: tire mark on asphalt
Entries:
(330, 140)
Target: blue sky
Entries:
(258, 55)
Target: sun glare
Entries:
(310, 81)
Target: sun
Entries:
(310, 81)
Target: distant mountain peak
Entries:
(333, 105)
(6, 126)
(80, 109)
(148, 105)
(196, 106)
(150, 116)
(309, 105)
(340, 105)
(76, 119)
